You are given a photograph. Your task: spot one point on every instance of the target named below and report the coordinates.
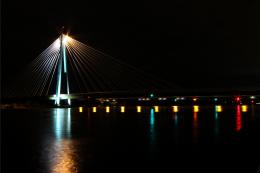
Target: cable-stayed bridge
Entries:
(68, 67)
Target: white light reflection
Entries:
(61, 152)
(62, 123)
(176, 132)
(216, 119)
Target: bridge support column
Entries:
(62, 68)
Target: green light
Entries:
(151, 95)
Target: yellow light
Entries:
(244, 108)
(94, 109)
(175, 108)
(196, 108)
(219, 108)
(139, 108)
(80, 109)
(156, 108)
(122, 109)
(107, 109)
(194, 99)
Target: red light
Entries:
(237, 98)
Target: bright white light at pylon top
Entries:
(57, 44)
(65, 39)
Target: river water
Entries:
(147, 139)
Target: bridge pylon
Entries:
(62, 71)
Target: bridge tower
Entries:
(62, 70)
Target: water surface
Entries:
(150, 139)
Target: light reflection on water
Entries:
(195, 126)
(152, 132)
(176, 134)
(238, 118)
(62, 123)
(63, 155)
(216, 119)
(62, 151)
(175, 115)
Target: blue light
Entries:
(152, 117)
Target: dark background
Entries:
(194, 44)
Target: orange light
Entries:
(94, 109)
(122, 109)
(139, 109)
(175, 108)
(156, 108)
(80, 109)
(107, 109)
(219, 108)
(244, 108)
(196, 108)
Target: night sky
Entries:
(193, 44)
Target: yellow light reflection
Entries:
(122, 109)
(196, 108)
(195, 127)
(94, 109)
(65, 162)
(80, 109)
(175, 108)
(156, 108)
(107, 109)
(139, 109)
(244, 108)
(219, 108)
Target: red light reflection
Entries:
(238, 119)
